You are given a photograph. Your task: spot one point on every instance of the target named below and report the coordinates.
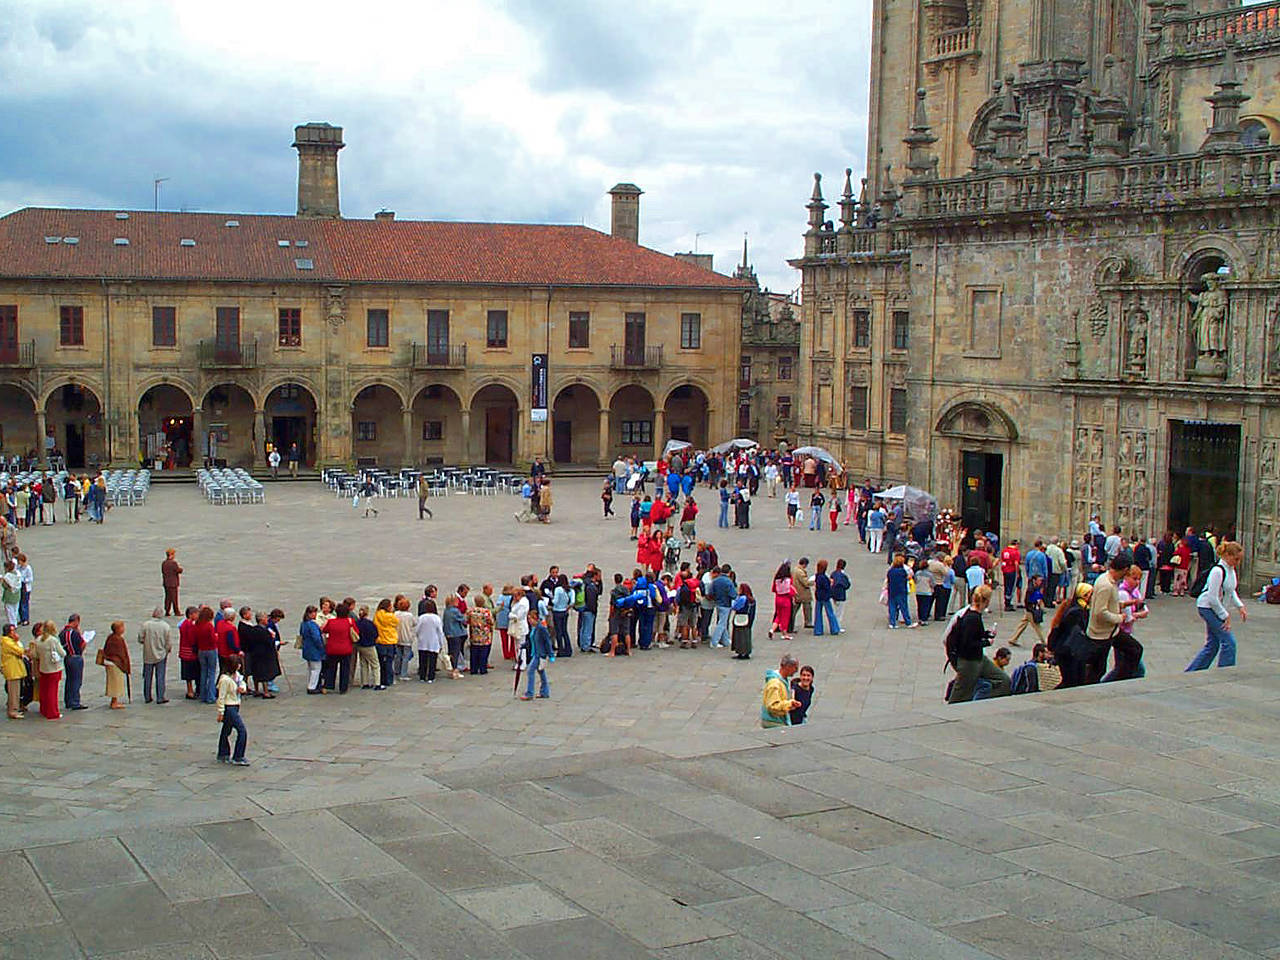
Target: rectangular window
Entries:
(784, 408)
(744, 373)
(744, 417)
(432, 429)
(164, 326)
(496, 335)
(579, 329)
(858, 419)
(366, 430)
(690, 331)
(438, 336)
(901, 329)
(71, 326)
(897, 410)
(784, 368)
(862, 328)
(378, 328)
(290, 326)
(637, 433)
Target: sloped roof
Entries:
(337, 251)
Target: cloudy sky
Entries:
(471, 109)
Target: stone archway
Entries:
(687, 412)
(575, 426)
(494, 423)
(289, 417)
(19, 431)
(166, 420)
(73, 417)
(377, 426)
(979, 442)
(632, 430)
(232, 425)
(435, 430)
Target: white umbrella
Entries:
(738, 443)
(820, 453)
(674, 445)
(918, 503)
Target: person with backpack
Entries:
(966, 639)
(1220, 585)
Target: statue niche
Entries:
(1136, 342)
(1208, 326)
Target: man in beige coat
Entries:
(157, 641)
(803, 583)
(1105, 614)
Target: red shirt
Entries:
(228, 638)
(1010, 558)
(689, 512)
(187, 647)
(337, 637)
(204, 636)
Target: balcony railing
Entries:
(21, 355)
(633, 358)
(428, 356)
(1255, 24)
(214, 354)
(957, 42)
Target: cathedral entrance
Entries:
(1204, 471)
(981, 478)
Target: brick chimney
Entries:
(625, 219)
(318, 145)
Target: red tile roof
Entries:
(340, 251)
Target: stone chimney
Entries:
(318, 145)
(385, 214)
(625, 219)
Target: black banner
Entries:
(539, 381)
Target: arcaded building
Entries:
(1057, 292)
(375, 341)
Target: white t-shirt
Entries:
(430, 632)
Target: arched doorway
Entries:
(575, 426)
(165, 427)
(687, 411)
(17, 422)
(495, 418)
(229, 424)
(981, 437)
(377, 427)
(73, 417)
(289, 416)
(631, 422)
(436, 431)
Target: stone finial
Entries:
(1077, 140)
(1108, 112)
(1007, 127)
(816, 206)
(889, 196)
(920, 161)
(1226, 100)
(848, 206)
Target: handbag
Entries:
(297, 642)
(741, 620)
(101, 658)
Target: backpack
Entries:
(1025, 679)
(685, 597)
(1202, 579)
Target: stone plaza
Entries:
(641, 812)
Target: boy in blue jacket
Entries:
(539, 654)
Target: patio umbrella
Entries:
(738, 443)
(674, 445)
(920, 504)
(821, 454)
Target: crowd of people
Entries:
(36, 501)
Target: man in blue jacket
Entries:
(722, 593)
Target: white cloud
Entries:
(514, 110)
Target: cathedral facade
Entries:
(1057, 291)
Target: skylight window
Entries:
(232, 223)
(304, 263)
(186, 242)
(122, 216)
(301, 243)
(71, 240)
(52, 239)
(282, 243)
(121, 241)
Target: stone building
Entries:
(768, 405)
(383, 340)
(1057, 292)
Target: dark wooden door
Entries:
(226, 337)
(497, 435)
(8, 334)
(438, 337)
(981, 477)
(562, 441)
(633, 342)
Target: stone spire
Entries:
(744, 271)
(921, 163)
(1007, 127)
(1224, 131)
(1109, 111)
(1077, 142)
(848, 206)
(889, 196)
(817, 209)
(864, 204)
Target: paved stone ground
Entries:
(641, 812)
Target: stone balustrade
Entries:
(955, 42)
(1249, 25)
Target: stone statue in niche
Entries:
(1135, 360)
(1140, 448)
(1209, 323)
(1266, 500)
(1267, 460)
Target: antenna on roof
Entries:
(695, 240)
(155, 185)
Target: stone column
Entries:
(41, 430)
(659, 431)
(199, 441)
(466, 438)
(603, 457)
(406, 415)
(259, 439)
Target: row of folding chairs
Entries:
(222, 486)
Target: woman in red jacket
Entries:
(339, 645)
(188, 653)
(206, 641)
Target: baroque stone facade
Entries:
(768, 404)
(387, 341)
(1061, 278)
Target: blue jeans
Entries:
(586, 630)
(818, 607)
(898, 605)
(724, 515)
(24, 606)
(535, 666)
(815, 518)
(231, 721)
(644, 627)
(153, 671)
(560, 629)
(208, 675)
(1218, 642)
(73, 670)
(720, 633)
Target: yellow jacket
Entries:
(388, 627)
(11, 663)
